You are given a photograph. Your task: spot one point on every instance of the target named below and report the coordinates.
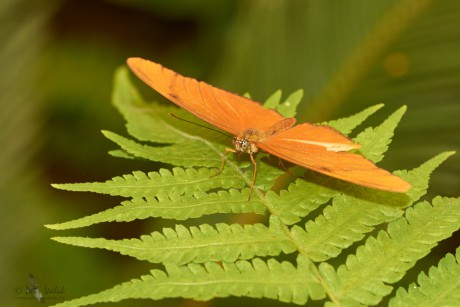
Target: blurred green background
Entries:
(57, 60)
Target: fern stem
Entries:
(326, 287)
(298, 246)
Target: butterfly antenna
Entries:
(202, 126)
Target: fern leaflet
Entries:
(365, 276)
(201, 244)
(440, 288)
(257, 279)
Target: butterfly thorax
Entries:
(244, 145)
(246, 141)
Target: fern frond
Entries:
(138, 184)
(119, 153)
(172, 207)
(197, 153)
(374, 141)
(383, 260)
(440, 288)
(347, 124)
(300, 203)
(196, 244)
(350, 217)
(289, 107)
(340, 225)
(257, 279)
(274, 100)
(420, 176)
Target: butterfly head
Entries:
(244, 145)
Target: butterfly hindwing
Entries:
(323, 149)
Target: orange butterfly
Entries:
(319, 148)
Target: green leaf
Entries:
(257, 279)
(439, 288)
(365, 277)
(374, 141)
(289, 107)
(340, 225)
(274, 100)
(118, 153)
(300, 203)
(138, 184)
(197, 152)
(201, 244)
(172, 207)
(347, 124)
(419, 177)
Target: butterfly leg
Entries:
(224, 158)
(253, 175)
(286, 169)
(251, 155)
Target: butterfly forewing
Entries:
(227, 111)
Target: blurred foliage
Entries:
(21, 190)
(58, 57)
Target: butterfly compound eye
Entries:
(241, 145)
